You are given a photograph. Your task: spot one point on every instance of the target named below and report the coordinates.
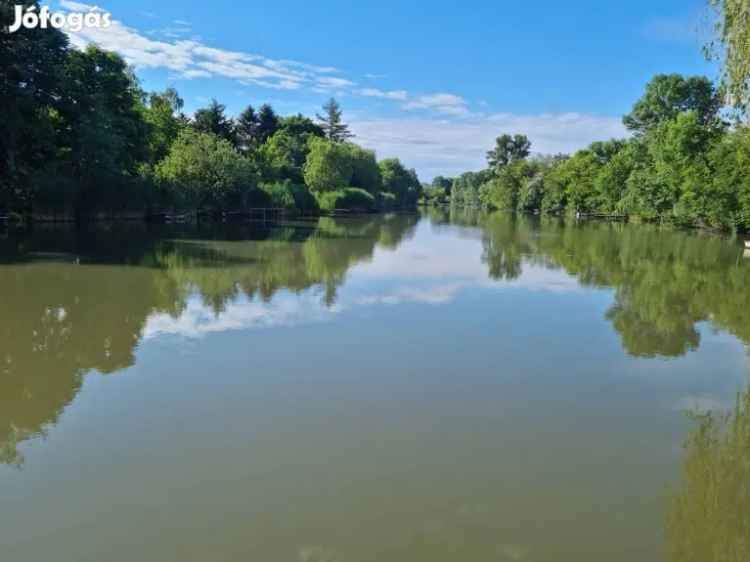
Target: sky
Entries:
(431, 82)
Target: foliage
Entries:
(212, 119)
(204, 171)
(328, 167)
(365, 169)
(288, 195)
(508, 149)
(403, 183)
(668, 95)
(333, 127)
(351, 198)
(683, 165)
(732, 48)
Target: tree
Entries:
(365, 170)
(203, 170)
(101, 133)
(443, 183)
(284, 156)
(329, 165)
(299, 125)
(212, 119)
(667, 95)
(246, 129)
(164, 117)
(268, 123)
(401, 182)
(508, 149)
(732, 48)
(334, 129)
(31, 81)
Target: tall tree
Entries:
(246, 129)
(213, 119)
(732, 47)
(508, 149)
(299, 125)
(165, 119)
(31, 65)
(268, 123)
(332, 124)
(667, 95)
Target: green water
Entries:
(407, 388)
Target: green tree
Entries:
(667, 95)
(268, 123)
(300, 126)
(31, 88)
(164, 117)
(246, 129)
(204, 171)
(101, 132)
(401, 182)
(731, 46)
(508, 149)
(213, 119)
(365, 169)
(329, 165)
(333, 127)
(284, 156)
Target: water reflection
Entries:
(455, 386)
(709, 515)
(76, 300)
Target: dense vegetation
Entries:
(80, 138)
(684, 163)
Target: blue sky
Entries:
(431, 82)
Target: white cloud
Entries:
(450, 147)
(450, 104)
(191, 58)
(400, 95)
(333, 82)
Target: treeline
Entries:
(80, 138)
(684, 163)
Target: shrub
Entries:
(350, 198)
(289, 195)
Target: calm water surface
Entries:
(395, 388)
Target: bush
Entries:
(289, 195)
(350, 198)
(203, 171)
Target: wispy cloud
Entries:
(400, 95)
(449, 104)
(190, 58)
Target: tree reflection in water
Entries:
(709, 515)
(78, 300)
